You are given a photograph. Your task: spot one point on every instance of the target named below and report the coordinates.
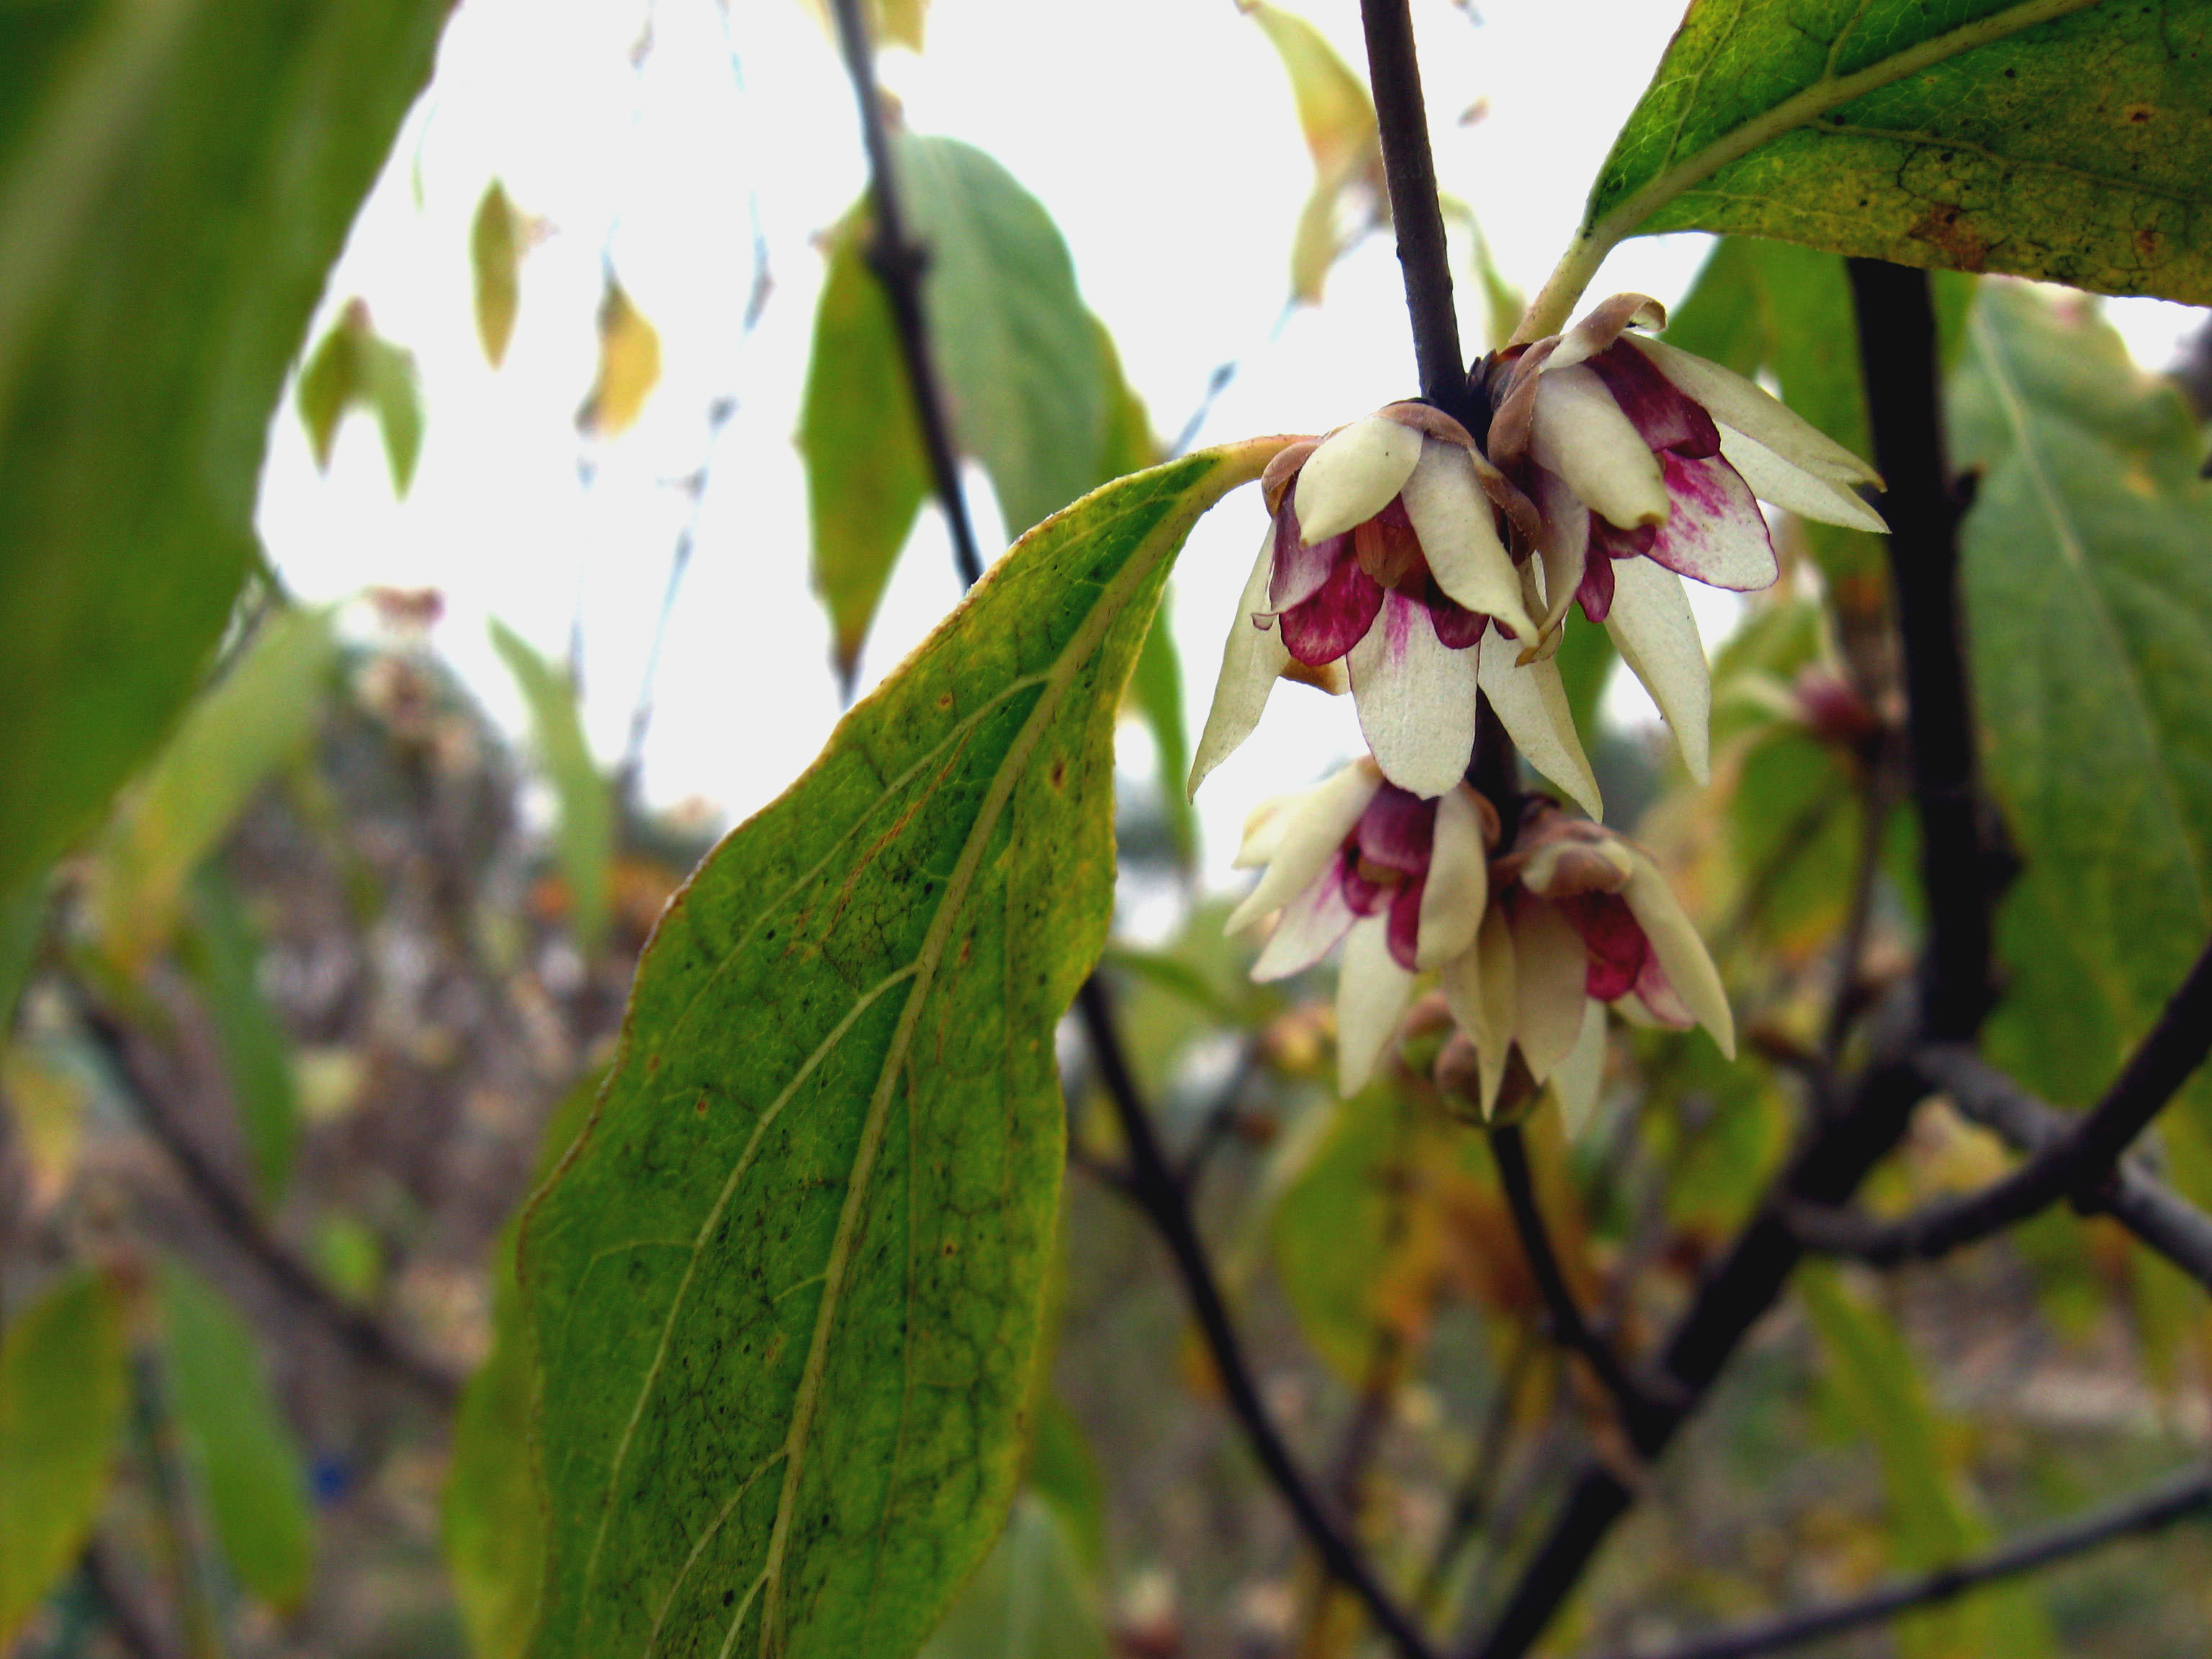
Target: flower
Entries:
(1399, 879)
(1382, 558)
(1579, 918)
(1644, 462)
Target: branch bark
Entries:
(1410, 171)
(1154, 1186)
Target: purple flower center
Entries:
(1384, 864)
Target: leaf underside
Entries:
(2070, 147)
(786, 1287)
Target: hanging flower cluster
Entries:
(1422, 568)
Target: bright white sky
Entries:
(1161, 136)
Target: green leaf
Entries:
(1016, 349)
(629, 366)
(1932, 1523)
(355, 368)
(2090, 620)
(867, 472)
(2052, 138)
(1330, 1233)
(584, 841)
(786, 1287)
(1338, 119)
(496, 244)
(1155, 688)
(174, 183)
(494, 1510)
(1029, 1601)
(1066, 1476)
(224, 956)
(62, 1391)
(243, 1455)
(244, 726)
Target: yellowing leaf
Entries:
(629, 366)
(495, 243)
(891, 22)
(1338, 119)
(45, 1099)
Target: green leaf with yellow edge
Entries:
(495, 245)
(174, 183)
(1030, 1599)
(584, 837)
(1337, 117)
(1932, 1522)
(2089, 614)
(249, 722)
(62, 1391)
(867, 471)
(2061, 139)
(224, 954)
(629, 366)
(493, 1523)
(244, 1457)
(786, 1285)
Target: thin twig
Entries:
(2077, 1161)
(360, 1332)
(1162, 1197)
(1568, 1328)
(2150, 1512)
(899, 262)
(134, 1633)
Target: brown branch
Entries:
(1155, 1188)
(2160, 1507)
(899, 262)
(2077, 1161)
(1416, 211)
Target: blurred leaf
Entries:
(355, 368)
(891, 22)
(1338, 119)
(1930, 1523)
(242, 727)
(1329, 1231)
(350, 1257)
(496, 244)
(2051, 138)
(584, 839)
(46, 1099)
(2090, 612)
(1018, 350)
(22, 917)
(62, 1390)
(867, 472)
(224, 956)
(494, 1530)
(629, 366)
(1064, 1475)
(1028, 1600)
(785, 1287)
(174, 183)
(243, 1453)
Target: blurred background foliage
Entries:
(309, 972)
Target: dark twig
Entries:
(2077, 1161)
(1569, 1328)
(133, 1633)
(361, 1334)
(2149, 1511)
(899, 261)
(1161, 1195)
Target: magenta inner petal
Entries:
(1714, 521)
(1364, 896)
(1405, 928)
(1663, 414)
(1456, 626)
(1596, 593)
(1617, 948)
(1298, 571)
(1660, 996)
(1615, 542)
(1397, 830)
(1337, 616)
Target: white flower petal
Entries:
(1452, 516)
(1580, 433)
(1580, 1076)
(1682, 955)
(1458, 885)
(1352, 475)
(1716, 534)
(1415, 696)
(1733, 401)
(1313, 830)
(1372, 995)
(1531, 700)
(1565, 544)
(1250, 659)
(1307, 930)
(1263, 829)
(1794, 488)
(1657, 637)
(1480, 989)
(1551, 968)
